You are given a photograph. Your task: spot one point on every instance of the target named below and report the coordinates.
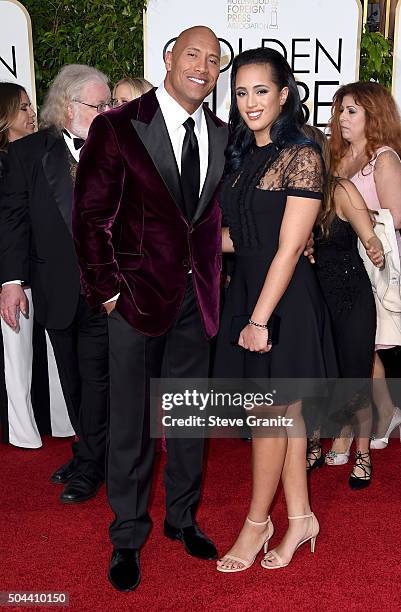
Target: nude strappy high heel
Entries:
(246, 564)
(274, 556)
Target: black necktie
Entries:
(190, 168)
(78, 143)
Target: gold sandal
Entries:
(246, 564)
(274, 556)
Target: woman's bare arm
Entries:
(387, 175)
(351, 206)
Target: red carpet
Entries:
(45, 546)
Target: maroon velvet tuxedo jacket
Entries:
(131, 234)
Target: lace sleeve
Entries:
(304, 173)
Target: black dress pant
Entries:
(40, 393)
(81, 352)
(183, 352)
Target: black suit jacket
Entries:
(36, 244)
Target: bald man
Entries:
(147, 230)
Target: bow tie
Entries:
(78, 143)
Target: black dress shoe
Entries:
(79, 489)
(64, 473)
(125, 570)
(195, 542)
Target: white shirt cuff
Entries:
(15, 282)
(115, 297)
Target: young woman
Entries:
(348, 293)
(365, 147)
(271, 199)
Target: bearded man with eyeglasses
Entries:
(36, 247)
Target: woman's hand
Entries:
(375, 251)
(309, 249)
(254, 339)
(110, 306)
(227, 245)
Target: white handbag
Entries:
(386, 281)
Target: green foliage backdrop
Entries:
(376, 58)
(107, 34)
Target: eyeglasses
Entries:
(99, 107)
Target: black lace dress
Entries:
(253, 209)
(348, 293)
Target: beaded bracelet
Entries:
(257, 324)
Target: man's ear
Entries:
(70, 112)
(168, 59)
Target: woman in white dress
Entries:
(18, 119)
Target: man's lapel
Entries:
(56, 169)
(217, 135)
(152, 131)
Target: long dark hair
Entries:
(10, 100)
(286, 129)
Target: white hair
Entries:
(67, 85)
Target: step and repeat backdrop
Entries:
(320, 40)
(16, 53)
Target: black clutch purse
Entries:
(238, 323)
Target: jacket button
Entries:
(185, 263)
